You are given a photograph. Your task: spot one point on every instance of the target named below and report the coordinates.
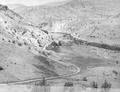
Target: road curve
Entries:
(77, 70)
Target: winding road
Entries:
(76, 71)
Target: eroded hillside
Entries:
(84, 20)
(19, 43)
(58, 40)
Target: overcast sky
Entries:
(28, 2)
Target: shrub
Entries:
(29, 48)
(94, 85)
(3, 39)
(117, 62)
(25, 43)
(106, 85)
(5, 21)
(19, 44)
(9, 41)
(1, 68)
(60, 43)
(43, 83)
(115, 72)
(13, 41)
(68, 84)
(84, 79)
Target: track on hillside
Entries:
(49, 78)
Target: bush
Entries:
(117, 62)
(25, 43)
(5, 21)
(68, 84)
(19, 44)
(1, 68)
(106, 85)
(94, 85)
(60, 43)
(29, 48)
(13, 42)
(84, 79)
(115, 72)
(8, 40)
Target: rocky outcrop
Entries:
(77, 19)
(3, 7)
(14, 29)
(82, 19)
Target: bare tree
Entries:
(106, 86)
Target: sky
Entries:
(28, 2)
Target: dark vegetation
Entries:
(25, 43)
(24, 32)
(115, 72)
(45, 31)
(68, 84)
(3, 7)
(105, 46)
(43, 60)
(19, 44)
(117, 62)
(29, 48)
(41, 83)
(1, 68)
(84, 79)
(99, 45)
(45, 53)
(43, 24)
(5, 21)
(94, 85)
(3, 39)
(106, 85)
(13, 42)
(46, 70)
(54, 46)
(9, 41)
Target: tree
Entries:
(106, 85)
(94, 85)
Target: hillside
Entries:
(17, 30)
(84, 33)
(19, 40)
(77, 38)
(91, 21)
(15, 6)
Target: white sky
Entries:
(28, 2)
